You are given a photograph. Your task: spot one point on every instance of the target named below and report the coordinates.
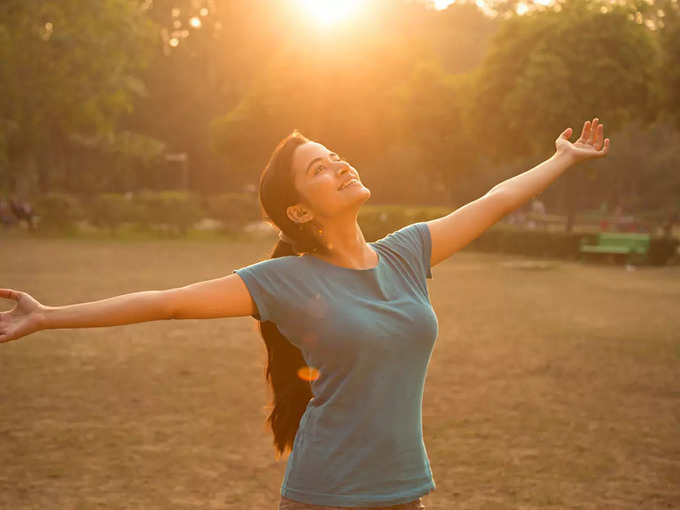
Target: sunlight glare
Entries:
(440, 5)
(330, 12)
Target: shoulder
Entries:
(275, 263)
(274, 268)
(412, 236)
(413, 244)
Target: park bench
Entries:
(630, 245)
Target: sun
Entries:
(330, 12)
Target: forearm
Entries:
(520, 188)
(142, 306)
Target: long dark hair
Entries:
(291, 392)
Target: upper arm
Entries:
(452, 232)
(222, 297)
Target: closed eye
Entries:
(319, 166)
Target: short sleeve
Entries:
(415, 243)
(262, 288)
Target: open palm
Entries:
(21, 320)
(589, 145)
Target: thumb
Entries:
(566, 133)
(9, 294)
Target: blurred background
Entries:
(554, 383)
(129, 113)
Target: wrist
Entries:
(565, 158)
(42, 317)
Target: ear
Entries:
(298, 213)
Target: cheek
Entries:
(325, 186)
(323, 194)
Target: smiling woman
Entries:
(330, 12)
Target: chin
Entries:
(359, 198)
(364, 196)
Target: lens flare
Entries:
(308, 373)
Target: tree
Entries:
(66, 67)
(550, 70)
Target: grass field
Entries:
(553, 387)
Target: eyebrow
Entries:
(317, 159)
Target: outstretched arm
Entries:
(452, 232)
(29, 315)
(221, 297)
(522, 187)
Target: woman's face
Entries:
(321, 178)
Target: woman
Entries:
(348, 325)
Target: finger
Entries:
(585, 132)
(605, 149)
(9, 294)
(566, 133)
(593, 130)
(599, 136)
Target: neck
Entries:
(346, 243)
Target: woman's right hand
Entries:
(25, 318)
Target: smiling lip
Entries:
(353, 180)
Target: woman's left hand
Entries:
(588, 146)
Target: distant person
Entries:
(670, 221)
(22, 210)
(538, 210)
(6, 217)
(348, 324)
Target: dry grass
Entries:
(548, 388)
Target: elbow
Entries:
(165, 305)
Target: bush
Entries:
(537, 243)
(58, 210)
(177, 209)
(376, 221)
(109, 210)
(564, 245)
(233, 209)
(661, 250)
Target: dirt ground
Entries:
(549, 387)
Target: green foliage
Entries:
(109, 210)
(432, 111)
(233, 209)
(178, 209)
(58, 210)
(550, 70)
(669, 71)
(93, 94)
(378, 221)
(565, 245)
(642, 171)
(67, 67)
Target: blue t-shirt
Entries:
(370, 334)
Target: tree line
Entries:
(430, 106)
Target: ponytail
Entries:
(290, 392)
